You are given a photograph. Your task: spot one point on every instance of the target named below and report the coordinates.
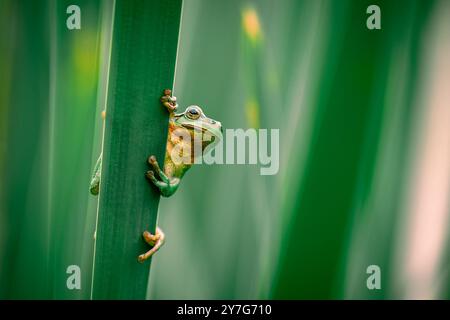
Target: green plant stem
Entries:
(144, 45)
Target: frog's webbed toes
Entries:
(166, 185)
(161, 185)
(155, 240)
(152, 160)
(157, 170)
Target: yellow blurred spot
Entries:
(84, 55)
(252, 112)
(251, 25)
(85, 59)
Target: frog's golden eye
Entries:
(193, 113)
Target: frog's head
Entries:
(195, 121)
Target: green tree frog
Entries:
(188, 132)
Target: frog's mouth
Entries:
(203, 130)
(210, 135)
(196, 128)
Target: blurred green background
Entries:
(364, 179)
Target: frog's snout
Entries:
(218, 124)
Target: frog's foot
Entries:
(155, 240)
(154, 164)
(167, 186)
(169, 101)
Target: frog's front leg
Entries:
(155, 240)
(167, 186)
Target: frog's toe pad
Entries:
(150, 174)
(152, 160)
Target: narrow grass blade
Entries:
(144, 44)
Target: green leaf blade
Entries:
(144, 46)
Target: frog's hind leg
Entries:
(155, 240)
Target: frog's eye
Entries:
(193, 113)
